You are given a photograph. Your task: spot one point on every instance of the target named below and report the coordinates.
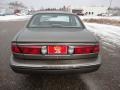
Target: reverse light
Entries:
(44, 50)
(71, 50)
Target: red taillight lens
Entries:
(87, 49)
(15, 49)
(96, 49)
(29, 49)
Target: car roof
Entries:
(55, 12)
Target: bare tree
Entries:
(110, 3)
(16, 4)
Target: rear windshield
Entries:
(54, 20)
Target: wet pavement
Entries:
(106, 78)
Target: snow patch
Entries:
(101, 17)
(109, 36)
(14, 18)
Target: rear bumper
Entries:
(30, 70)
(55, 66)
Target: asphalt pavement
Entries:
(106, 78)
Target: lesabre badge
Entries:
(57, 49)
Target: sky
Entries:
(59, 3)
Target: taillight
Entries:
(34, 49)
(96, 49)
(30, 49)
(26, 49)
(87, 49)
(15, 48)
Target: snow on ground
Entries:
(101, 17)
(14, 17)
(109, 36)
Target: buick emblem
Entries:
(57, 49)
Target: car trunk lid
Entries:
(55, 35)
